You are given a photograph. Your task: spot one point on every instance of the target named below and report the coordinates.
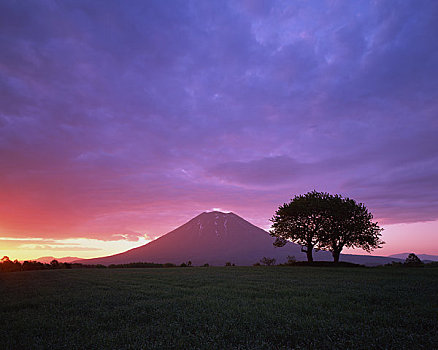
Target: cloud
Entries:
(8, 243)
(56, 248)
(268, 172)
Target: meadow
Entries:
(220, 308)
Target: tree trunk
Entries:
(309, 254)
(336, 254)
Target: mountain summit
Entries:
(216, 238)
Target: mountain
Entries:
(48, 259)
(216, 238)
(423, 257)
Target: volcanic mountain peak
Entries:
(217, 219)
(217, 212)
(216, 215)
(218, 226)
(214, 225)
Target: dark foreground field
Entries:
(220, 308)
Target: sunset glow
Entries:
(120, 121)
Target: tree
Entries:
(349, 224)
(267, 261)
(413, 260)
(318, 220)
(6, 265)
(301, 221)
(54, 264)
(291, 260)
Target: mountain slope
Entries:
(216, 238)
(423, 257)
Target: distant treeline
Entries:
(7, 265)
(411, 261)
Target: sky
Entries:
(120, 121)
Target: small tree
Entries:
(291, 260)
(301, 221)
(413, 260)
(267, 261)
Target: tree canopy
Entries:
(413, 260)
(319, 220)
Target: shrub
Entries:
(291, 260)
(413, 260)
(267, 261)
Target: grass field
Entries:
(220, 308)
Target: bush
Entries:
(291, 260)
(267, 261)
(413, 260)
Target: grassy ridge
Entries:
(220, 308)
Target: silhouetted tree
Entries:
(318, 220)
(6, 265)
(267, 261)
(349, 224)
(291, 260)
(413, 260)
(54, 264)
(34, 265)
(301, 221)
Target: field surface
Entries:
(220, 308)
